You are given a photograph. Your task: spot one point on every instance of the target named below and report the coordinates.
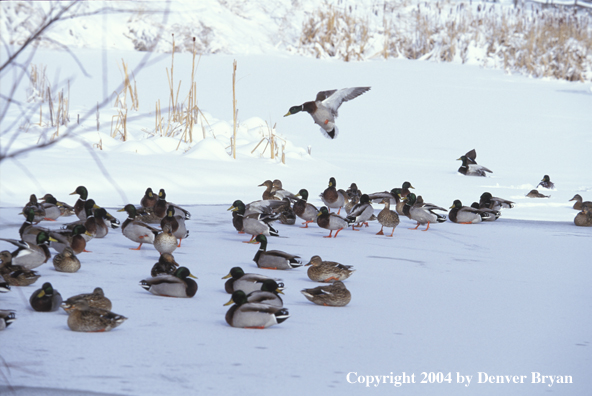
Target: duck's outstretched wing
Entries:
(335, 100)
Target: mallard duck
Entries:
(31, 255)
(15, 275)
(37, 208)
(89, 319)
(487, 201)
(96, 299)
(253, 315)
(361, 213)
(254, 223)
(66, 261)
(331, 197)
(79, 205)
(535, 194)
(493, 214)
(28, 232)
(469, 168)
(546, 182)
(65, 209)
(304, 210)
(177, 224)
(279, 192)
(354, 193)
(327, 271)
(267, 295)
(422, 213)
(135, 230)
(6, 318)
(334, 295)
(387, 217)
(149, 199)
(166, 265)
(274, 259)
(348, 203)
(331, 221)
(51, 208)
(165, 241)
(584, 218)
(46, 299)
(4, 287)
(101, 220)
(268, 194)
(246, 282)
(324, 108)
(75, 239)
(578, 204)
(471, 156)
(161, 206)
(466, 214)
(176, 285)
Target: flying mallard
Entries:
(324, 108)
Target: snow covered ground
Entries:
(507, 299)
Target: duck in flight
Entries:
(324, 108)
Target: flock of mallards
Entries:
(256, 297)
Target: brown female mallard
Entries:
(334, 295)
(327, 271)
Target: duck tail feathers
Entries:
(330, 134)
(282, 315)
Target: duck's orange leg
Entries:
(380, 232)
(392, 232)
(416, 227)
(179, 245)
(428, 227)
(255, 327)
(138, 248)
(330, 234)
(337, 232)
(249, 241)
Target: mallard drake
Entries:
(254, 223)
(304, 210)
(6, 318)
(536, 194)
(268, 194)
(161, 206)
(267, 295)
(177, 224)
(149, 199)
(546, 182)
(487, 201)
(37, 208)
(331, 221)
(75, 239)
(96, 299)
(176, 285)
(331, 197)
(578, 204)
(46, 299)
(253, 315)
(85, 318)
(66, 261)
(361, 213)
(274, 259)
(324, 108)
(246, 282)
(466, 214)
(166, 265)
(469, 168)
(135, 230)
(79, 210)
(327, 271)
(4, 287)
(65, 209)
(31, 255)
(165, 241)
(334, 295)
(387, 217)
(493, 214)
(28, 231)
(394, 196)
(15, 275)
(422, 213)
(52, 210)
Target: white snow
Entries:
(507, 298)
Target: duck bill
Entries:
(41, 294)
(229, 302)
(287, 114)
(227, 276)
(52, 239)
(279, 291)
(191, 276)
(121, 210)
(233, 208)
(306, 265)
